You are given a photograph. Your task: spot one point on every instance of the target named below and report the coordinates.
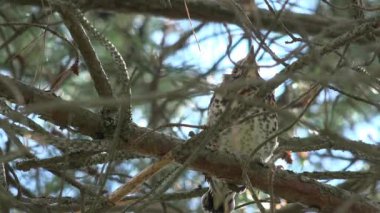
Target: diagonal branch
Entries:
(92, 61)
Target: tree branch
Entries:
(92, 61)
(82, 120)
(211, 11)
(365, 151)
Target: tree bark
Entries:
(211, 11)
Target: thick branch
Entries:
(93, 63)
(211, 11)
(80, 119)
(286, 184)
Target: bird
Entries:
(251, 128)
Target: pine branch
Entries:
(211, 11)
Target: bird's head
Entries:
(246, 68)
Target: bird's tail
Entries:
(219, 198)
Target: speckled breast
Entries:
(248, 130)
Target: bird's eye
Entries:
(236, 72)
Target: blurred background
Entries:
(178, 58)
